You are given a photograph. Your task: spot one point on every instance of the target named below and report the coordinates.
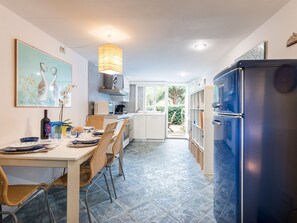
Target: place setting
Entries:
(89, 137)
(30, 145)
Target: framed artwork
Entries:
(256, 53)
(40, 77)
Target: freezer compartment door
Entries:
(228, 92)
(227, 168)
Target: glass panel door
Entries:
(176, 111)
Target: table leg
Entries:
(73, 181)
(121, 158)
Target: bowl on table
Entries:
(29, 139)
(98, 132)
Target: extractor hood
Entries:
(107, 87)
(117, 92)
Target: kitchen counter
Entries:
(149, 125)
(149, 113)
(118, 117)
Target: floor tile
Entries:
(207, 219)
(163, 185)
(164, 219)
(122, 218)
(106, 210)
(144, 212)
(130, 200)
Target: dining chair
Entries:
(18, 195)
(115, 155)
(91, 171)
(171, 121)
(95, 120)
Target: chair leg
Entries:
(50, 214)
(87, 205)
(121, 166)
(14, 217)
(107, 187)
(115, 194)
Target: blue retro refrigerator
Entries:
(255, 142)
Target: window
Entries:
(154, 98)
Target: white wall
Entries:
(18, 122)
(276, 31)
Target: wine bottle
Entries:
(45, 128)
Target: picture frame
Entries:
(39, 77)
(257, 53)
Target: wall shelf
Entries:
(200, 127)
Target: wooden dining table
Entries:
(61, 156)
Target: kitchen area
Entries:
(115, 98)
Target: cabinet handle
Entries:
(216, 105)
(216, 122)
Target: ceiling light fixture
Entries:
(183, 74)
(110, 59)
(109, 33)
(200, 45)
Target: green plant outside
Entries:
(179, 116)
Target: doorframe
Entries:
(186, 105)
(166, 104)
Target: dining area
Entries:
(83, 158)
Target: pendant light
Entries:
(110, 59)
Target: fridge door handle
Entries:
(216, 105)
(216, 122)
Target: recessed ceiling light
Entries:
(200, 45)
(183, 74)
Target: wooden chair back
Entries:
(98, 160)
(95, 120)
(118, 142)
(172, 117)
(3, 187)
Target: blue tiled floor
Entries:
(163, 185)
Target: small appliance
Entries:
(104, 108)
(120, 109)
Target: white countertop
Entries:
(149, 113)
(129, 115)
(124, 116)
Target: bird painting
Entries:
(43, 84)
(53, 87)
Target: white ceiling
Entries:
(162, 32)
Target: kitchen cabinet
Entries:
(149, 126)
(139, 126)
(155, 126)
(129, 132)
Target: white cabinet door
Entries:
(139, 126)
(155, 126)
(126, 85)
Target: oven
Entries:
(126, 135)
(129, 132)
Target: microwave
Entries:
(104, 108)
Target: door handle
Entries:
(216, 105)
(216, 122)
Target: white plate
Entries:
(80, 145)
(24, 144)
(24, 152)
